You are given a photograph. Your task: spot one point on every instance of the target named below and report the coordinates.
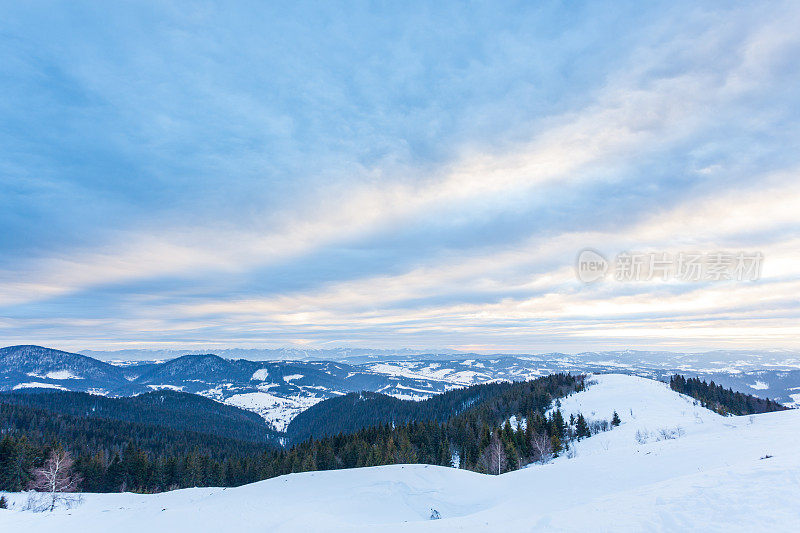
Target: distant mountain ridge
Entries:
(270, 354)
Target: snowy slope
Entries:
(648, 409)
(710, 478)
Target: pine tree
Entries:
(559, 427)
(615, 421)
(582, 428)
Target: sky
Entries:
(408, 174)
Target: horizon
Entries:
(252, 354)
(526, 179)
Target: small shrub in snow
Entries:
(3, 502)
(642, 436)
(572, 453)
(670, 433)
(435, 514)
(542, 447)
(598, 426)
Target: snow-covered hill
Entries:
(703, 472)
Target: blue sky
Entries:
(395, 175)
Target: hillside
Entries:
(174, 410)
(349, 413)
(714, 474)
(496, 401)
(114, 455)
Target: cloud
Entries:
(285, 201)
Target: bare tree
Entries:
(56, 479)
(542, 447)
(494, 459)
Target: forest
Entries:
(115, 455)
(721, 400)
(167, 408)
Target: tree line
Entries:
(166, 408)
(721, 400)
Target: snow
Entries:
(291, 377)
(166, 386)
(759, 385)
(795, 400)
(38, 385)
(645, 407)
(55, 374)
(413, 394)
(431, 371)
(278, 411)
(521, 422)
(714, 477)
(262, 374)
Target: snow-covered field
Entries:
(433, 371)
(704, 472)
(278, 411)
(38, 385)
(56, 374)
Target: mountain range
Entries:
(278, 390)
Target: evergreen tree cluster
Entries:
(352, 412)
(167, 408)
(721, 400)
(112, 455)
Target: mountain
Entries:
(203, 368)
(671, 465)
(29, 366)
